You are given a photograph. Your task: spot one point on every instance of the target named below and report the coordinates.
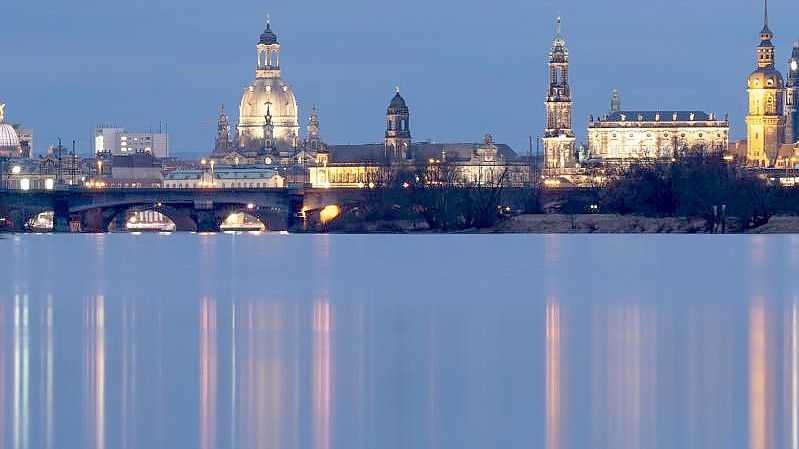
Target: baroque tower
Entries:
(398, 131)
(765, 124)
(268, 88)
(314, 138)
(559, 136)
(792, 98)
(222, 133)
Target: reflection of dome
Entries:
(9, 141)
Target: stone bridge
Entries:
(90, 210)
(85, 210)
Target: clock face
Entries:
(794, 65)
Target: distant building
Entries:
(371, 165)
(792, 97)
(630, 135)
(141, 166)
(10, 143)
(120, 142)
(225, 178)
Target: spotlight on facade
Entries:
(16, 170)
(250, 206)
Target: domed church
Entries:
(268, 97)
(9, 140)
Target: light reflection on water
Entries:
(324, 342)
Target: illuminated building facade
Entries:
(120, 142)
(268, 101)
(792, 97)
(559, 136)
(766, 121)
(372, 165)
(10, 145)
(631, 135)
(225, 178)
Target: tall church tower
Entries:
(765, 124)
(792, 98)
(222, 133)
(559, 137)
(398, 130)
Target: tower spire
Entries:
(765, 21)
(557, 25)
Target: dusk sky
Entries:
(466, 67)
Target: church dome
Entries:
(9, 141)
(282, 105)
(398, 105)
(268, 37)
(766, 78)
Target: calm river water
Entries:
(388, 341)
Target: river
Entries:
(391, 341)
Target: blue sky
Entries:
(466, 67)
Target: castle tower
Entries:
(398, 131)
(222, 133)
(765, 124)
(559, 137)
(792, 97)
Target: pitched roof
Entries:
(374, 153)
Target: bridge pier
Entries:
(206, 220)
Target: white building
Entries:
(225, 178)
(120, 142)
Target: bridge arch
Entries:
(120, 217)
(270, 219)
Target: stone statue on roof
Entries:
(2, 112)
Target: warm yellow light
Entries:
(49, 184)
(328, 213)
(728, 158)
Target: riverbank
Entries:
(580, 224)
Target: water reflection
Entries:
(21, 371)
(624, 372)
(554, 399)
(761, 378)
(95, 379)
(323, 321)
(361, 355)
(792, 371)
(208, 374)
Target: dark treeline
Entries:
(696, 186)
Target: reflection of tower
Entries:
(208, 374)
(398, 131)
(322, 373)
(765, 123)
(95, 370)
(792, 97)
(761, 379)
(554, 401)
(559, 137)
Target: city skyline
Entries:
(441, 59)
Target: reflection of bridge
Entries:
(83, 210)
